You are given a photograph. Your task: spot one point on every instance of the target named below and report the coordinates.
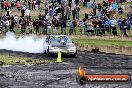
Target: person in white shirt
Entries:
(49, 27)
(27, 12)
(113, 26)
(16, 19)
(81, 26)
(7, 24)
(73, 5)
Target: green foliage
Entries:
(103, 42)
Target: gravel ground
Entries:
(63, 75)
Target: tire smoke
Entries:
(28, 44)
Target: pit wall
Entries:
(105, 49)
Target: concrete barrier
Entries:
(105, 49)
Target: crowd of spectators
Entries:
(64, 17)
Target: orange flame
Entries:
(81, 71)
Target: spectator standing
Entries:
(33, 4)
(77, 12)
(43, 25)
(29, 26)
(7, 24)
(49, 24)
(69, 3)
(81, 26)
(51, 11)
(64, 26)
(46, 10)
(120, 11)
(12, 3)
(84, 2)
(113, 26)
(77, 2)
(129, 15)
(115, 6)
(36, 5)
(94, 8)
(6, 5)
(88, 3)
(107, 25)
(16, 19)
(75, 24)
(90, 27)
(29, 4)
(71, 27)
(73, 5)
(56, 24)
(120, 26)
(8, 12)
(22, 25)
(128, 25)
(124, 27)
(74, 13)
(68, 13)
(101, 26)
(12, 24)
(94, 23)
(85, 26)
(38, 2)
(99, 7)
(2, 4)
(23, 8)
(18, 5)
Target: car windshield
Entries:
(58, 39)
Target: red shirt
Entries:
(110, 1)
(18, 4)
(6, 4)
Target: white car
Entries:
(60, 43)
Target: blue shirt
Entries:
(114, 6)
(119, 22)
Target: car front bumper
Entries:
(68, 51)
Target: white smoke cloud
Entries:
(23, 44)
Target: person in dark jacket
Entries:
(119, 24)
(64, 26)
(44, 27)
(23, 24)
(56, 24)
(12, 24)
(22, 12)
(128, 25)
(124, 26)
(74, 13)
(77, 2)
(36, 25)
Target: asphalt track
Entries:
(63, 75)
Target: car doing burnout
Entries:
(60, 43)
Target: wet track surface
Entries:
(63, 75)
